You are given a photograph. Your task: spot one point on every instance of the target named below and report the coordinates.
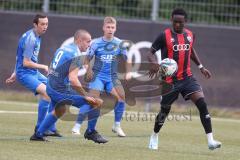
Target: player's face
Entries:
(178, 22)
(109, 29)
(84, 43)
(42, 26)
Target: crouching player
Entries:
(63, 86)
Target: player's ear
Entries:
(81, 40)
(35, 25)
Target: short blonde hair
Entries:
(109, 20)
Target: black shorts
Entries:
(186, 87)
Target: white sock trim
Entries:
(77, 125)
(155, 134)
(117, 124)
(210, 137)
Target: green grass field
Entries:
(179, 140)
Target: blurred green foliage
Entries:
(200, 11)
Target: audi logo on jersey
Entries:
(181, 47)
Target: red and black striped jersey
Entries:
(178, 47)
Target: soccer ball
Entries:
(168, 66)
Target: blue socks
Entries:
(118, 111)
(94, 114)
(46, 124)
(92, 119)
(42, 111)
(83, 111)
(50, 109)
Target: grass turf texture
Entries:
(178, 140)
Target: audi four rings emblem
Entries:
(181, 47)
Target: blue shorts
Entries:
(184, 87)
(32, 81)
(103, 85)
(67, 98)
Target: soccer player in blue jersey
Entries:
(27, 66)
(103, 75)
(63, 85)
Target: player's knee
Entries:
(45, 96)
(60, 110)
(42, 93)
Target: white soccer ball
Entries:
(168, 66)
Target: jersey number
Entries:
(57, 58)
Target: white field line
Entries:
(17, 112)
(18, 103)
(140, 114)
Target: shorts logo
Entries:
(181, 47)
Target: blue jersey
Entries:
(64, 58)
(28, 47)
(106, 57)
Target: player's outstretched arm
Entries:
(197, 61)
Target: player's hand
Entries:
(45, 68)
(11, 79)
(154, 69)
(206, 72)
(94, 102)
(98, 103)
(89, 75)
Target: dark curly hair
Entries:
(179, 11)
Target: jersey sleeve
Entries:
(91, 50)
(159, 42)
(29, 47)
